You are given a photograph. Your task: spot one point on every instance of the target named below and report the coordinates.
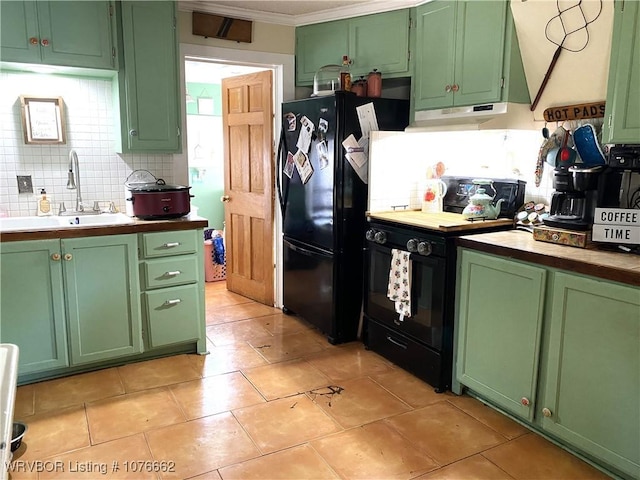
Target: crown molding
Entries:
(348, 11)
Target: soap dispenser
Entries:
(44, 205)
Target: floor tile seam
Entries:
(83, 403)
(482, 454)
(266, 400)
(253, 441)
(175, 399)
(254, 317)
(506, 439)
(324, 459)
(407, 404)
(290, 394)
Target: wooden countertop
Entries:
(188, 222)
(442, 222)
(594, 261)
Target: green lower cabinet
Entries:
(499, 330)
(32, 313)
(102, 295)
(558, 350)
(173, 315)
(592, 390)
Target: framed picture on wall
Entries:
(43, 120)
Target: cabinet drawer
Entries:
(168, 272)
(173, 315)
(163, 244)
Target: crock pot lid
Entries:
(158, 186)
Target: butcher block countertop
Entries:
(188, 222)
(445, 222)
(594, 260)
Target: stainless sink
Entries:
(11, 224)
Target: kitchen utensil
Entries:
(326, 80)
(541, 157)
(480, 206)
(564, 155)
(374, 83)
(155, 201)
(570, 15)
(587, 145)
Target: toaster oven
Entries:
(459, 189)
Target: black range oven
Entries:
(421, 343)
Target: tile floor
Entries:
(272, 400)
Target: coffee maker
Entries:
(576, 197)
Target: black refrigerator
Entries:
(323, 202)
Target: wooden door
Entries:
(247, 122)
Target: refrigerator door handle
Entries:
(282, 199)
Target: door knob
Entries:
(68, 257)
(56, 257)
(546, 412)
(447, 88)
(44, 42)
(33, 41)
(225, 198)
(455, 87)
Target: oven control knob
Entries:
(370, 235)
(412, 245)
(380, 237)
(424, 248)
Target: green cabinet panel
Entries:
(500, 315)
(622, 115)
(379, 41)
(102, 296)
(148, 84)
(174, 315)
(162, 244)
(166, 272)
(466, 53)
(592, 389)
(318, 45)
(32, 313)
(73, 34)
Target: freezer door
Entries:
(309, 206)
(308, 284)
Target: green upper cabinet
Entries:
(319, 45)
(32, 313)
(499, 330)
(73, 34)
(102, 297)
(592, 389)
(379, 41)
(148, 85)
(622, 116)
(466, 53)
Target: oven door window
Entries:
(427, 295)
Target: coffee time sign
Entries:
(616, 225)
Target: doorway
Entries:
(201, 163)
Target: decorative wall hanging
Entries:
(43, 120)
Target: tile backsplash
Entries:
(91, 127)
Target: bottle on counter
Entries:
(44, 204)
(345, 74)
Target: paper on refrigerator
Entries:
(357, 154)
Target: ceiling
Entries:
(294, 12)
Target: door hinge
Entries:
(175, 23)
(178, 131)
(409, 55)
(610, 119)
(113, 52)
(111, 10)
(502, 82)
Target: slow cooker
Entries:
(159, 201)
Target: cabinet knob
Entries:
(56, 257)
(546, 412)
(225, 198)
(455, 87)
(33, 41)
(525, 401)
(68, 257)
(447, 88)
(44, 42)
(133, 132)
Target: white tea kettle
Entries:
(434, 191)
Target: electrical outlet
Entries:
(24, 184)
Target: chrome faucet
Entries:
(73, 182)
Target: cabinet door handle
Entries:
(33, 41)
(56, 257)
(455, 87)
(68, 257)
(224, 198)
(44, 42)
(546, 412)
(525, 401)
(447, 88)
(133, 132)
(171, 244)
(175, 301)
(172, 274)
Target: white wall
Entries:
(91, 131)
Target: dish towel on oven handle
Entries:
(399, 290)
